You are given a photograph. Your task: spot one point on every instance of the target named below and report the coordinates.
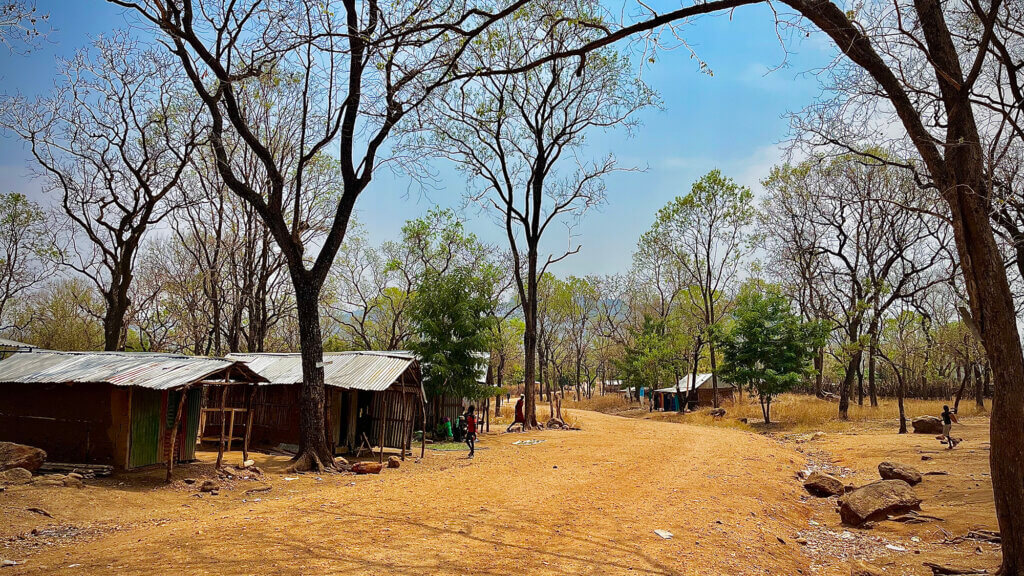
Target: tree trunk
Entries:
(714, 375)
(993, 312)
(530, 341)
(901, 391)
(963, 384)
(872, 390)
(847, 385)
(313, 454)
(819, 368)
(860, 383)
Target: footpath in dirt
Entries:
(577, 502)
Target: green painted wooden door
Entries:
(145, 437)
(185, 443)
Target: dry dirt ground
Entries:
(578, 502)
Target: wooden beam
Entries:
(248, 423)
(223, 426)
(383, 426)
(174, 431)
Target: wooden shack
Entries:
(695, 395)
(126, 409)
(373, 401)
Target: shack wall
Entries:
(80, 423)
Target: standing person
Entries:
(520, 414)
(471, 430)
(947, 425)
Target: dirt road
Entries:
(580, 502)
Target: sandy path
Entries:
(583, 502)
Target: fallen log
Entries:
(83, 469)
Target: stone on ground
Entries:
(821, 484)
(394, 461)
(20, 456)
(15, 476)
(897, 471)
(367, 467)
(927, 425)
(876, 501)
(209, 486)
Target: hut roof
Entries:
(703, 382)
(372, 371)
(144, 369)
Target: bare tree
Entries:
(20, 24)
(358, 68)
(27, 252)
(112, 141)
(510, 133)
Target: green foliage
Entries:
(764, 345)
(450, 312)
(657, 354)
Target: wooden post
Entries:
(248, 423)
(423, 442)
(231, 429)
(223, 425)
(174, 431)
(405, 417)
(383, 425)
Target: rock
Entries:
(367, 467)
(718, 412)
(877, 500)
(20, 456)
(248, 463)
(8, 563)
(925, 458)
(897, 471)
(15, 476)
(927, 425)
(48, 481)
(821, 484)
(341, 463)
(859, 568)
(76, 476)
(394, 461)
(72, 482)
(189, 480)
(209, 486)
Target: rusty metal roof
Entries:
(373, 371)
(147, 370)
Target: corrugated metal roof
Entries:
(373, 371)
(703, 381)
(7, 343)
(147, 370)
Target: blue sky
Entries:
(733, 121)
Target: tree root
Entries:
(308, 461)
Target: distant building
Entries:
(695, 395)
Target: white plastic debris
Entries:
(664, 534)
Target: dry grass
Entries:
(790, 412)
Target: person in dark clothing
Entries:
(471, 430)
(520, 414)
(947, 425)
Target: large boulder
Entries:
(876, 501)
(15, 476)
(821, 484)
(897, 471)
(20, 456)
(367, 467)
(927, 425)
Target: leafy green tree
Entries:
(450, 313)
(707, 234)
(764, 345)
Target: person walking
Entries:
(520, 414)
(471, 430)
(948, 418)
